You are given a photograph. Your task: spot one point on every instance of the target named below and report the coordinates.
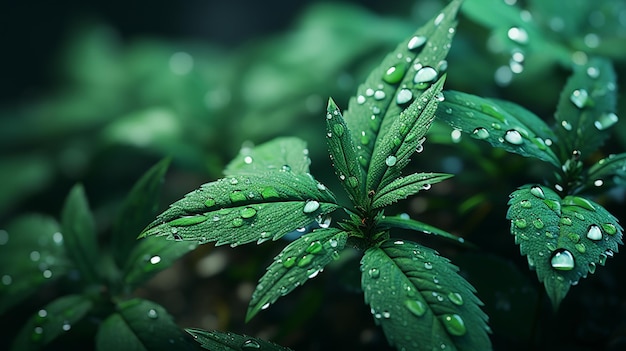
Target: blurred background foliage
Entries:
(97, 93)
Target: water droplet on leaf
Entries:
(152, 314)
(374, 273)
(311, 206)
(454, 324)
(455, 298)
(514, 137)
(395, 73)
(289, 262)
(480, 133)
(314, 248)
(424, 75)
(416, 307)
(247, 212)
(237, 196)
(390, 161)
(404, 96)
(250, 344)
(537, 191)
(562, 260)
(594, 233)
(416, 42)
(605, 121)
(579, 97)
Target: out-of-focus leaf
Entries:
(79, 234)
(227, 341)
(142, 325)
(31, 254)
(52, 320)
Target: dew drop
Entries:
(359, 100)
(289, 262)
(580, 247)
(514, 137)
(538, 223)
(155, 259)
(428, 265)
(247, 160)
(593, 72)
(379, 95)
(247, 212)
(209, 202)
(404, 96)
(416, 307)
(315, 247)
(518, 35)
(605, 121)
(526, 204)
(455, 298)
(237, 222)
(352, 182)
(609, 228)
(305, 260)
(456, 135)
(338, 129)
(152, 314)
(592, 267)
(480, 133)
(416, 42)
(66, 326)
(439, 19)
(579, 97)
(395, 73)
(311, 206)
(520, 223)
(562, 260)
(594, 233)
(390, 161)
(374, 273)
(566, 221)
(269, 192)
(424, 75)
(237, 196)
(250, 344)
(537, 191)
(454, 324)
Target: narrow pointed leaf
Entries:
(401, 140)
(227, 341)
(564, 239)
(343, 154)
(501, 124)
(411, 224)
(79, 233)
(142, 325)
(403, 187)
(278, 154)
(420, 300)
(401, 78)
(586, 108)
(245, 208)
(301, 260)
(608, 171)
(54, 319)
(150, 256)
(138, 209)
(28, 244)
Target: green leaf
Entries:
(79, 233)
(401, 188)
(404, 222)
(245, 208)
(420, 300)
(402, 138)
(343, 154)
(280, 153)
(501, 124)
(608, 171)
(586, 108)
(402, 78)
(139, 208)
(141, 325)
(52, 320)
(227, 341)
(301, 260)
(31, 254)
(150, 256)
(564, 239)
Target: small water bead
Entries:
(289, 262)
(593, 72)
(514, 137)
(333, 242)
(594, 233)
(538, 223)
(311, 206)
(520, 223)
(454, 324)
(605, 121)
(550, 246)
(66, 326)
(237, 196)
(579, 97)
(369, 92)
(286, 168)
(609, 228)
(526, 204)
(456, 135)
(404, 96)
(338, 129)
(480, 133)
(598, 182)
(416, 42)
(247, 212)
(390, 161)
(428, 265)
(439, 19)
(152, 314)
(37, 334)
(394, 74)
(352, 182)
(425, 75)
(562, 260)
(580, 247)
(269, 192)
(251, 344)
(416, 307)
(537, 191)
(379, 95)
(374, 273)
(455, 298)
(305, 260)
(209, 202)
(566, 221)
(237, 222)
(359, 100)
(592, 267)
(518, 35)
(426, 186)
(315, 247)
(155, 259)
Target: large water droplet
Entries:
(269, 192)
(404, 96)
(428, 265)
(338, 129)
(594, 233)
(250, 344)
(605, 121)
(609, 228)
(455, 298)
(152, 314)
(289, 262)
(237, 196)
(311, 206)
(416, 307)
(390, 161)
(579, 97)
(518, 35)
(514, 137)
(520, 223)
(395, 73)
(480, 133)
(416, 42)
(562, 260)
(424, 75)
(247, 212)
(305, 260)
(379, 95)
(454, 324)
(237, 222)
(374, 273)
(209, 202)
(315, 247)
(537, 191)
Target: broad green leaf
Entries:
(401, 78)
(420, 300)
(278, 154)
(301, 260)
(501, 124)
(138, 209)
(227, 341)
(343, 154)
(403, 187)
(141, 325)
(404, 222)
(402, 138)
(607, 171)
(79, 233)
(245, 208)
(54, 319)
(150, 256)
(586, 108)
(31, 254)
(564, 239)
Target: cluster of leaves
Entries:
(416, 295)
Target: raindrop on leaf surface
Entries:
(311, 206)
(454, 324)
(416, 307)
(513, 137)
(594, 233)
(562, 260)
